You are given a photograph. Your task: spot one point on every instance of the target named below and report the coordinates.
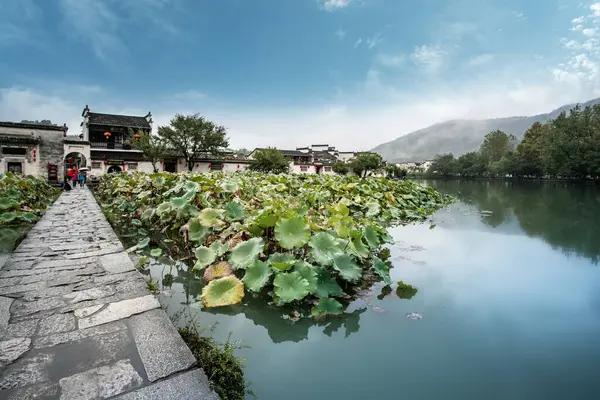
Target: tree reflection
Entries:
(564, 215)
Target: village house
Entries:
(32, 149)
(314, 159)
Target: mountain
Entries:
(459, 136)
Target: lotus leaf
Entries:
(309, 273)
(290, 286)
(8, 216)
(163, 208)
(180, 202)
(281, 261)
(244, 253)
(230, 186)
(223, 292)
(358, 248)
(324, 247)
(327, 306)
(196, 231)
(219, 248)
(235, 212)
(326, 285)
(211, 217)
(257, 275)
(204, 257)
(156, 252)
(218, 270)
(347, 267)
(382, 269)
(6, 203)
(373, 208)
(143, 243)
(291, 233)
(29, 217)
(372, 237)
(405, 291)
(266, 219)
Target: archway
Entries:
(76, 160)
(114, 169)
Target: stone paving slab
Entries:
(77, 321)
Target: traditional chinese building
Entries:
(32, 149)
(314, 159)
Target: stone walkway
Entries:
(77, 321)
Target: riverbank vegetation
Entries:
(566, 147)
(305, 240)
(23, 200)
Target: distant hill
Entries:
(459, 136)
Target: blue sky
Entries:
(353, 73)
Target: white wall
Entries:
(295, 169)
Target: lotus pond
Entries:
(508, 285)
(23, 200)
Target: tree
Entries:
(152, 147)
(340, 168)
(528, 156)
(192, 136)
(394, 171)
(365, 163)
(443, 164)
(269, 160)
(470, 164)
(496, 145)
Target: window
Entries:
(304, 168)
(327, 169)
(15, 167)
(96, 165)
(216, 167)
(14, 151)
(132, 166)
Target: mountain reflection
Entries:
(564, 215)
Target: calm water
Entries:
(510, 301)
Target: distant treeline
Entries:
(566, 147)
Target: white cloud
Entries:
(589, 32)
(578, 20)
(340, 33)
(374, 41)
(577, 28)
(595, 9)
(429, 58)
(479, 60)
(391, 60)
(358, 42)
(519, 15)
(332, 5)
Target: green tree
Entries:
(366, 163)
(340, 168)
(496, 145)
(152, 147)
(470, 164)
(394, 171)
(528, 156)
(269, 160)
(193, 136)
(443, 164)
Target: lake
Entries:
(509, 292)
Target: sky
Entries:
(290, 73)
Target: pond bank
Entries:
(77, 320)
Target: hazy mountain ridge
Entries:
(460, 136)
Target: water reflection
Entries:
(174, 278)
(563, 215)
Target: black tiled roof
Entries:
(18, 139)
(32, 126)
(118, 120)
(294, 153)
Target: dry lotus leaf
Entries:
(237, 239)
(218, 270)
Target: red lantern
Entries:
(209, 166)
(222, 166)
(137, 136)
(107, 135)
(161, 161)
(197, 165)
(238, 165)
(105, 162)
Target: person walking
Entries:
(81, 178)
(74, 177)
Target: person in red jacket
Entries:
(75, 176)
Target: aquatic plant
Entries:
(301, 239)
(23, 200)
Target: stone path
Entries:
(77, 321)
